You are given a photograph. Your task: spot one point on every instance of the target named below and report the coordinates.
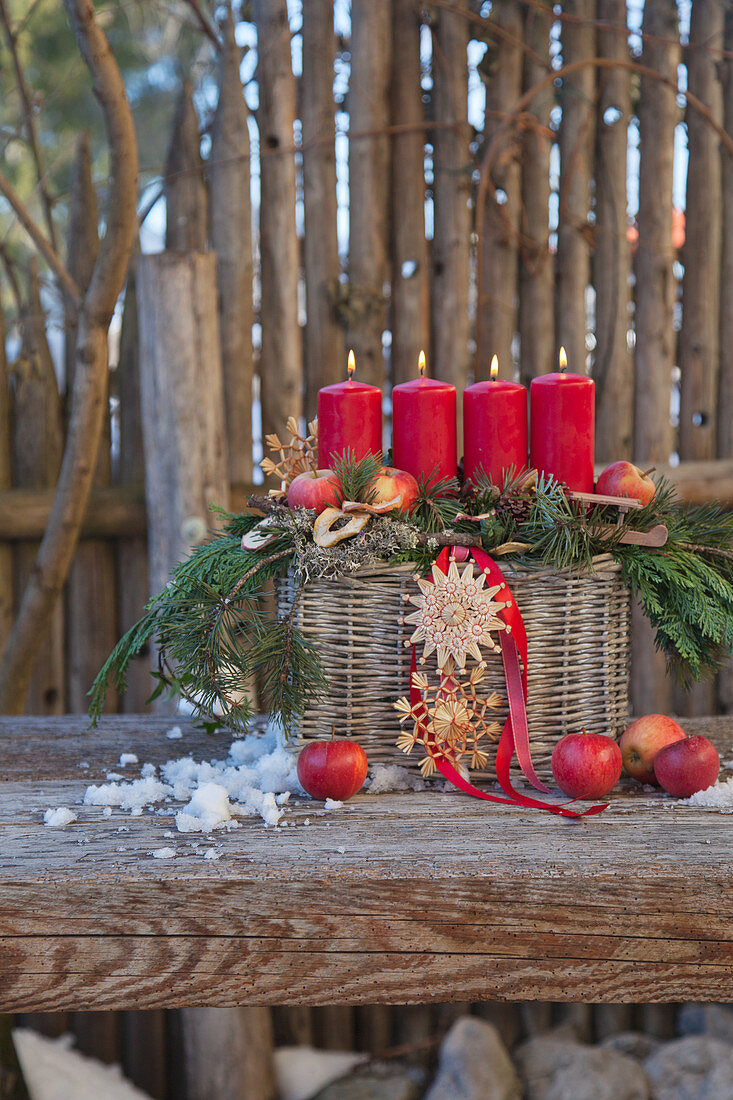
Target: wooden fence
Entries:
(504, 229)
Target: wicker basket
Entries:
(578, 653)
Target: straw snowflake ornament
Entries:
(451, 720)
(296, 457)
(456, 616)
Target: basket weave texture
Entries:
(578, 653)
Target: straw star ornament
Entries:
(453, 720)
(456, 616)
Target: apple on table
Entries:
(586, 765)
(332, 769)
(687, 766)
(643, 739)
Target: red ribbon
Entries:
(515, 735)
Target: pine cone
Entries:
(512, 506)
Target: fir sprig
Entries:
(213, 634)
(438, 503)
(357, 476)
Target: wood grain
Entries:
(435, 897)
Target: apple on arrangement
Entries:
(332, 769)
(687, 766)
(623, 479)
(643, 739)
(317, 489)
(586, 765)
(391, 484)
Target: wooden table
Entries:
(397, 898)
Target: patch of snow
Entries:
(108, 811)
(307, 821)
(164, 853)
(208, 809)
(301, 1072)
(147, 771)
(341, 849)
(281, 799)
(112, 777)
(127, 758)
(59, 817)
(128, 796)
(393, 777)
(53, 1071)
(332, 804)
(717, 797)
(211, 853)
(174, 733)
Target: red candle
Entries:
(494, 427)
(424, 427)
(349, 419)
(562, 427)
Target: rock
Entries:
(302, 1071)
(474, 1065)
(540, 1058)
(634, 1044)
(556, 1068)
(706, 1019)
(596, 1074)
(377, 1082)
(694, 1068)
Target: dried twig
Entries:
(41, 242)
(30, 123)
(205, 22)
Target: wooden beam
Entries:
(119, 511)
(525, 906)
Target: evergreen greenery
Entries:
(213, 633)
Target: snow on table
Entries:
(401, 896)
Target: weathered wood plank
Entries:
(632, 906)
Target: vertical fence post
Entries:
(369, 164)
(231, 239)
(576, 144)
(410, 288)
(281, 356)
(654, 353)
(324, 336)
(6, 553)
(186, 198)
(497, 252)
(613, 369)
(536, 316)
(37, 449)
(182, 404)
(91, 608)
(452, 169)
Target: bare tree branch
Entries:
(31, 227)
(30, 122)
(205, 22)
(88, 398)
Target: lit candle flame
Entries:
(352, 363)
(563, 359)
(494, 368)
(421, 364)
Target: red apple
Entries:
(332, 769)
(643, 739)
(586, 765)
(688, 766)
(390, 483)
(317, 489)
(623, 479)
